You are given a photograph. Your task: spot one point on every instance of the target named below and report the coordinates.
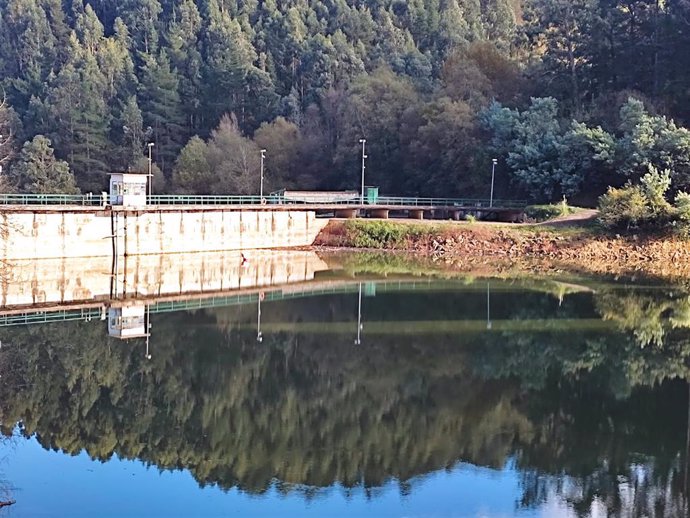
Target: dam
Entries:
(49, 232)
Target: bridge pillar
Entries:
(416, 214)
(346, 213)
(379, 213)
(510, 216)
(455, 215)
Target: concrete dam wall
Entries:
(55, 232)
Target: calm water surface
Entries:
(359, 396)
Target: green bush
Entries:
(683, 206)
(623, 208)
(380, 234)
(654, 186)
(683, 214)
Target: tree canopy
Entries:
(570, 96)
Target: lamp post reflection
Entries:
(358, 340)
(148, 332)
(488, 306)
(259, 334)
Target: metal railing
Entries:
(448, 202)
(211, 199)
(91, 200)
(51, 199)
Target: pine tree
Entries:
(228, 57)
(183, 42)
(162, 111)
(38, 171)
(7, 134)
(131, 133)
(142, 19)
(78, 108)
(31, 48)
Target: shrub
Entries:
(380, 234)
(655, 185)
(623, 208)
(683, 206)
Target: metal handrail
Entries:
(51, 199)
(272, 199)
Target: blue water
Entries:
(573, 402)
(78, 486)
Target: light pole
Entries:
(150, 147)
(261, 188)
(493, 174)
(363, 141)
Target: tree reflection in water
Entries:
(596, 418)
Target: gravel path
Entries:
(578, 218)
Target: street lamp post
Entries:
(493, 174)
(363, 141)
(150, 147)
(261, 187)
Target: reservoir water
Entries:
(357, 392)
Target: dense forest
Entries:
(307, 410)
(570, 96)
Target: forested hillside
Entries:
(570, 95)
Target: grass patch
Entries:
(384, 234)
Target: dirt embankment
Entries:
(571, 248)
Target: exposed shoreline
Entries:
(526, 247)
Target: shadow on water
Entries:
(583, 390)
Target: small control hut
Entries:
(128, 189)
(127, 322)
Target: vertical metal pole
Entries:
(364, 156)
(117, 253)
(259, 335)
(493, 174)
(148, 331)
(359, 317)
(261, 188)
(488, 305)
(150, 177)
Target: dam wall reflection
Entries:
(46, 283)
